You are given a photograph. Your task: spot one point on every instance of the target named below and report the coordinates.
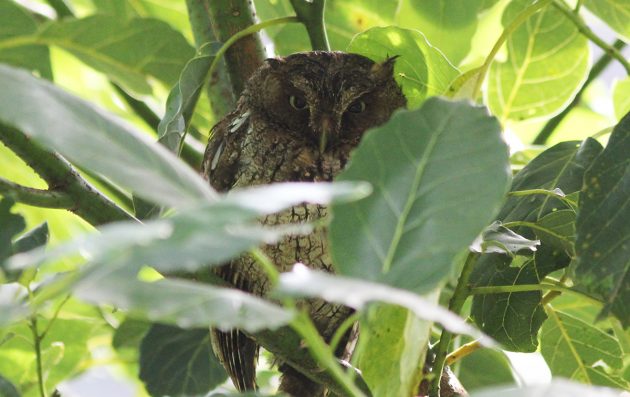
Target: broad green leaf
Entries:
(621, 98)
(614, 12)
(179, 362)
(7, 389)
(430, 169)
(485, 368)
(497, 239)
(548, 60)
(603, 226)
(557, 229)
(197, 237)
(557, 388)
(36, 237)
(11, 224)
(392, 347)
(421, 69)
(96, 140)
(576, 350)
(127, 51)
(14, 22)
(448, 24)
(13, 305)
(182, 100)
(183, 303)
(513, 319)
(355, 293)
(130, 333)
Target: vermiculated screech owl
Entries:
(297, 120)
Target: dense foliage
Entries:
(502, 193)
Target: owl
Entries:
(297, 120)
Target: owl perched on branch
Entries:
(298, 119)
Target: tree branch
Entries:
(218, 89)
(35, 197)
(246, 55)
(88, 202)
(311, 14)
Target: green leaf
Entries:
(127, 51)
(302, 282)
(603, 226)
(421, 69)
(15, 21)
(183, 303)
(96, 140)
(513, 319)
(392, 347)
(12, 224)
(497, 239)
(614, 12)
(130, 333)
(547, 63)
(557, 229)
(557, 388)
(448, 25)
(36, 237)
(621, 98)
(7, 389)
(179, 362)
(429, 169)
(484, 368)
(182, 100)
(576, 350)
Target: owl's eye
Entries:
(357, 107)
(297, 102)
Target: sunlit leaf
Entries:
(547, 63)
(621, 98)
(485, 368)
(614, 12)
(430, 170)
(96, 140)
(177, 362)
(14, 22)
(577, 350)
(603, 225)
(421, 69)
(557, 388)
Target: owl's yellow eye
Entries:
(297, 102)
(357, 107)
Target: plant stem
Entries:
(35, 197)
(38, 355)
(520, 18)
(218, 89)
(461, 293)
(463, 351)
(267, 265)
(311, 14)
(586, 31)
(228, 17)
(88, 202)
(225, 48)
(502, 289)
(596, 70)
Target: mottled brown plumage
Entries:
(297, 120)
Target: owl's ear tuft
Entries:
(274, 63)
(384, 70)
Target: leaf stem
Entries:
(586, 31)
(461, 293)
(501, 289)
(463, 351)
(520, 18)
(545, 192)
(311, 14)
(38, 355)
(246, 32)
(267, 265)
(597, 69)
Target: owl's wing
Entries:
(221, 159)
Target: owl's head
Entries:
(327, 98)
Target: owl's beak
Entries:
(327, 130)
